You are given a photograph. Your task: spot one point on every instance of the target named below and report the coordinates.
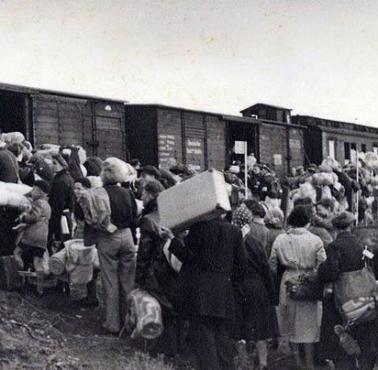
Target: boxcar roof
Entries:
(33, 90)
(326, 123)
(257, 105)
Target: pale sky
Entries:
(317, 57)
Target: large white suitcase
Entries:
(197, 199)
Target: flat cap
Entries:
(343, 220)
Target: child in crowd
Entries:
(33, 229)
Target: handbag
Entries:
(356, 295)
(304, 287)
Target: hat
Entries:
(154, 187)
(84, 181)
(343, 220)
(151, 170)
(255, 207)
(43, 185)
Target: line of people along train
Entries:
(236, 277)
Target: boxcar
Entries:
(97, 124)
(336, 139)
(158, 134)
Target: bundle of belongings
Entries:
(13, 195)
(75, 262)
(144, 319)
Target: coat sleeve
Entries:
(330, 269)
(273, 260)
(60, 196)
(145, 254)
(188, 250)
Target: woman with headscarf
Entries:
(274, 219)
(299, 252)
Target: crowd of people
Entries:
(224, 280)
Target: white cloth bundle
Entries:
(14, 188)
(371, 160)
(95, 181)
(324, 178)
(12, 195)
(143, 319)
(13, 137)
(79, 261)
(119, 170)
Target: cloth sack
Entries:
(356, 294)
(143, 319)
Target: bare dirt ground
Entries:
(51, 332)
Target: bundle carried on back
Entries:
(95, 204)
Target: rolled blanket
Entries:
(143, 319)
(57, 263)
(14, 188)
(118, 170)
(13, 137)
(13, 200)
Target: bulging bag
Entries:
(356, 294)
(304, 288)
(143, 319)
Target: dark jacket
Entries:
(61, 197)
(343, 255)
(257, 318)
(8, 166)
(123, 206)
(213, 259)
(153, 272)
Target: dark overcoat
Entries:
(153, 273)
(257, 317)
(344, 254)
(61, 197)
(213, 260)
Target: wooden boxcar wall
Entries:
(97, 126)
(273, 143)
(193, 138)
(158, 135)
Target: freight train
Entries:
(160, 135)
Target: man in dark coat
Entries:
(345, 254)
(61, 197)
(212, 259)
(8, 173)
(153, 273)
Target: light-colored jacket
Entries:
(37, 219)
